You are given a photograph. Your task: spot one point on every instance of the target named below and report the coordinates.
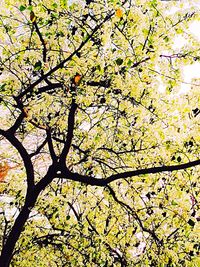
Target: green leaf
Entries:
(67, 217)
(30, 8)
(129, 63)
(119, 61)
(174, 203)
(166, 38)
(153, 3)
(98, 67)
(54, 5)
(22, 8)
(191, 222)
(2, 87)
(38, 65)
(63, 3)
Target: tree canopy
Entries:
(99, 147)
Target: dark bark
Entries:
(8, 248)
(70, 132)
(31, 198)
(65, 173)
(9, 135)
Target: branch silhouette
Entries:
(65, 173)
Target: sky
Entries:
(193, 70)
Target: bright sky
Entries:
(193, 70)
(190, 71)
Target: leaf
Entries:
(32, 16)
(174, 203)
(63, 3)
(54, 5)
(4, 168)
(102, 100)
(22, 8)
(38, 65)
(30, 8)
(25, 111)
(2, 87)
(60, 34)
(129, 63)
(191, 223)
(119, 13)
(119, 61)
(77, 79)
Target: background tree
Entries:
(106, 163)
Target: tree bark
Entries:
(8, 247)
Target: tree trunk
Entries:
(8, 247)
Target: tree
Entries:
(106, 164)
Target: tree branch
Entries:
(39, 148)
(44, 52)
(48, 88)
(50, 144)
(17, 123)
(24, 155)
(61, 64)
(139, 62)
(65, 173)
(152, 170)
(47, 179)
(71, 121)
(135, 215)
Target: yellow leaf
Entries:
(119, 13)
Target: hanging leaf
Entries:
(129, 63)
(54, 5)
(4, 168)
(32, 16)
(119, 61)
(77, 79)
(63, 3)
(174, 203)
(38, 65)
(191, 222)
(119, 13)
(2, 87)
(26, 110)
(22, 8)
(30, 8)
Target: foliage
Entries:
(104, 146)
